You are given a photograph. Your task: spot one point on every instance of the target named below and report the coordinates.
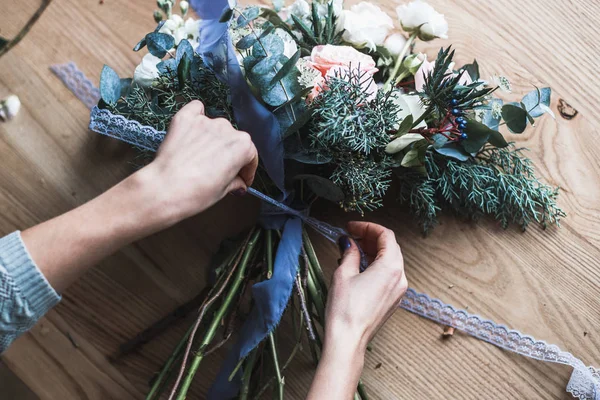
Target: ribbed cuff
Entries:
(28, 279)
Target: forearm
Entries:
(339, 370)
(66, 246)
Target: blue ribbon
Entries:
(271, 296)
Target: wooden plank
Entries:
(542, 283)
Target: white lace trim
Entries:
(78, 83)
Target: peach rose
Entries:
(327, 56)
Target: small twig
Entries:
(34, 18)
(304, 308)
(203, 311)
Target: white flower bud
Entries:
(184, 6)
(420, 18)
(157, 16)
(413, 62)
(9, 107)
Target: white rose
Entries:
(395, 43)
(409, 105)
(290, 46)
(420, 17)
(366, 24)
(300, 9)
(9, 107)
(146, 72)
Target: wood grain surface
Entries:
(544, 283)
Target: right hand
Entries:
(200, 161)
(359, 303)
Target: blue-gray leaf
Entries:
(453, 151)
(184, 48)
(159, 43)
(535, 98)
(110, 85)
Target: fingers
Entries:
(376, 240)
(350, 262)
(194, 107)
(250, 156)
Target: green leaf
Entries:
(247, 16)
(402, 142)
(477, 136)
(316, 20)
(323, 187)
(286, 68)
(184, 48)
(282, 91)
(473, 70)
(411, 159)
(406, 124)
(515, 118)
(125, 86)
(226, 16)
(273, 44)
(110, 85)
(307, 34)
(497, 139)
(452, 150)
(534, 99)
(159, 43)
(183, 70)
(305, 156)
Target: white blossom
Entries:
(395, 43)
(9, 107)
(419, 17)
(366, 25)
(146, 72)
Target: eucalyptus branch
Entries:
(34, 18)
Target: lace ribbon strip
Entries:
(585, 380)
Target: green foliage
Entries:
(500, 182)
(352, 131)
(159, 43)
(319, 30)
(157, 107)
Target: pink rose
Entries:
(325, 57)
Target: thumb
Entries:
(237, 186)
(350, 262)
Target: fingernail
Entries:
(344, 243)
(239, 192)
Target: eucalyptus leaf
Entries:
(301, 120)
(497, 139)
(110, 85)
(247, 16)
(452, 150)
(534, 99)
(286, 68)
(491, 121)
(159, 43)
(246, 42)
(477, 136)
(273, 44)
(308, 157)
(322, 187)
(287, 115)
(168, 67)
(439, 141)
(282, 91)
(125, 86)
(515, 118)
(140, 45)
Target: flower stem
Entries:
(245, 391)
(14, 41)
(278, 375)
(399, 60)
(312, 256)
(212, 330)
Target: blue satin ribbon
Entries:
(271, 296)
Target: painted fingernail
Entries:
(239, 192)
(344, 243)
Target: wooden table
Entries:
(542, 283)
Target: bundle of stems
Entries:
(264, 368)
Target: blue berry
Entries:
(456, 111)
(460, 120)
(454, 102)
(463, 125)
(463, 136)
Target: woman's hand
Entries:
(199, 162)
(358, 304)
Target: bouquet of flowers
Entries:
(338, 99)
